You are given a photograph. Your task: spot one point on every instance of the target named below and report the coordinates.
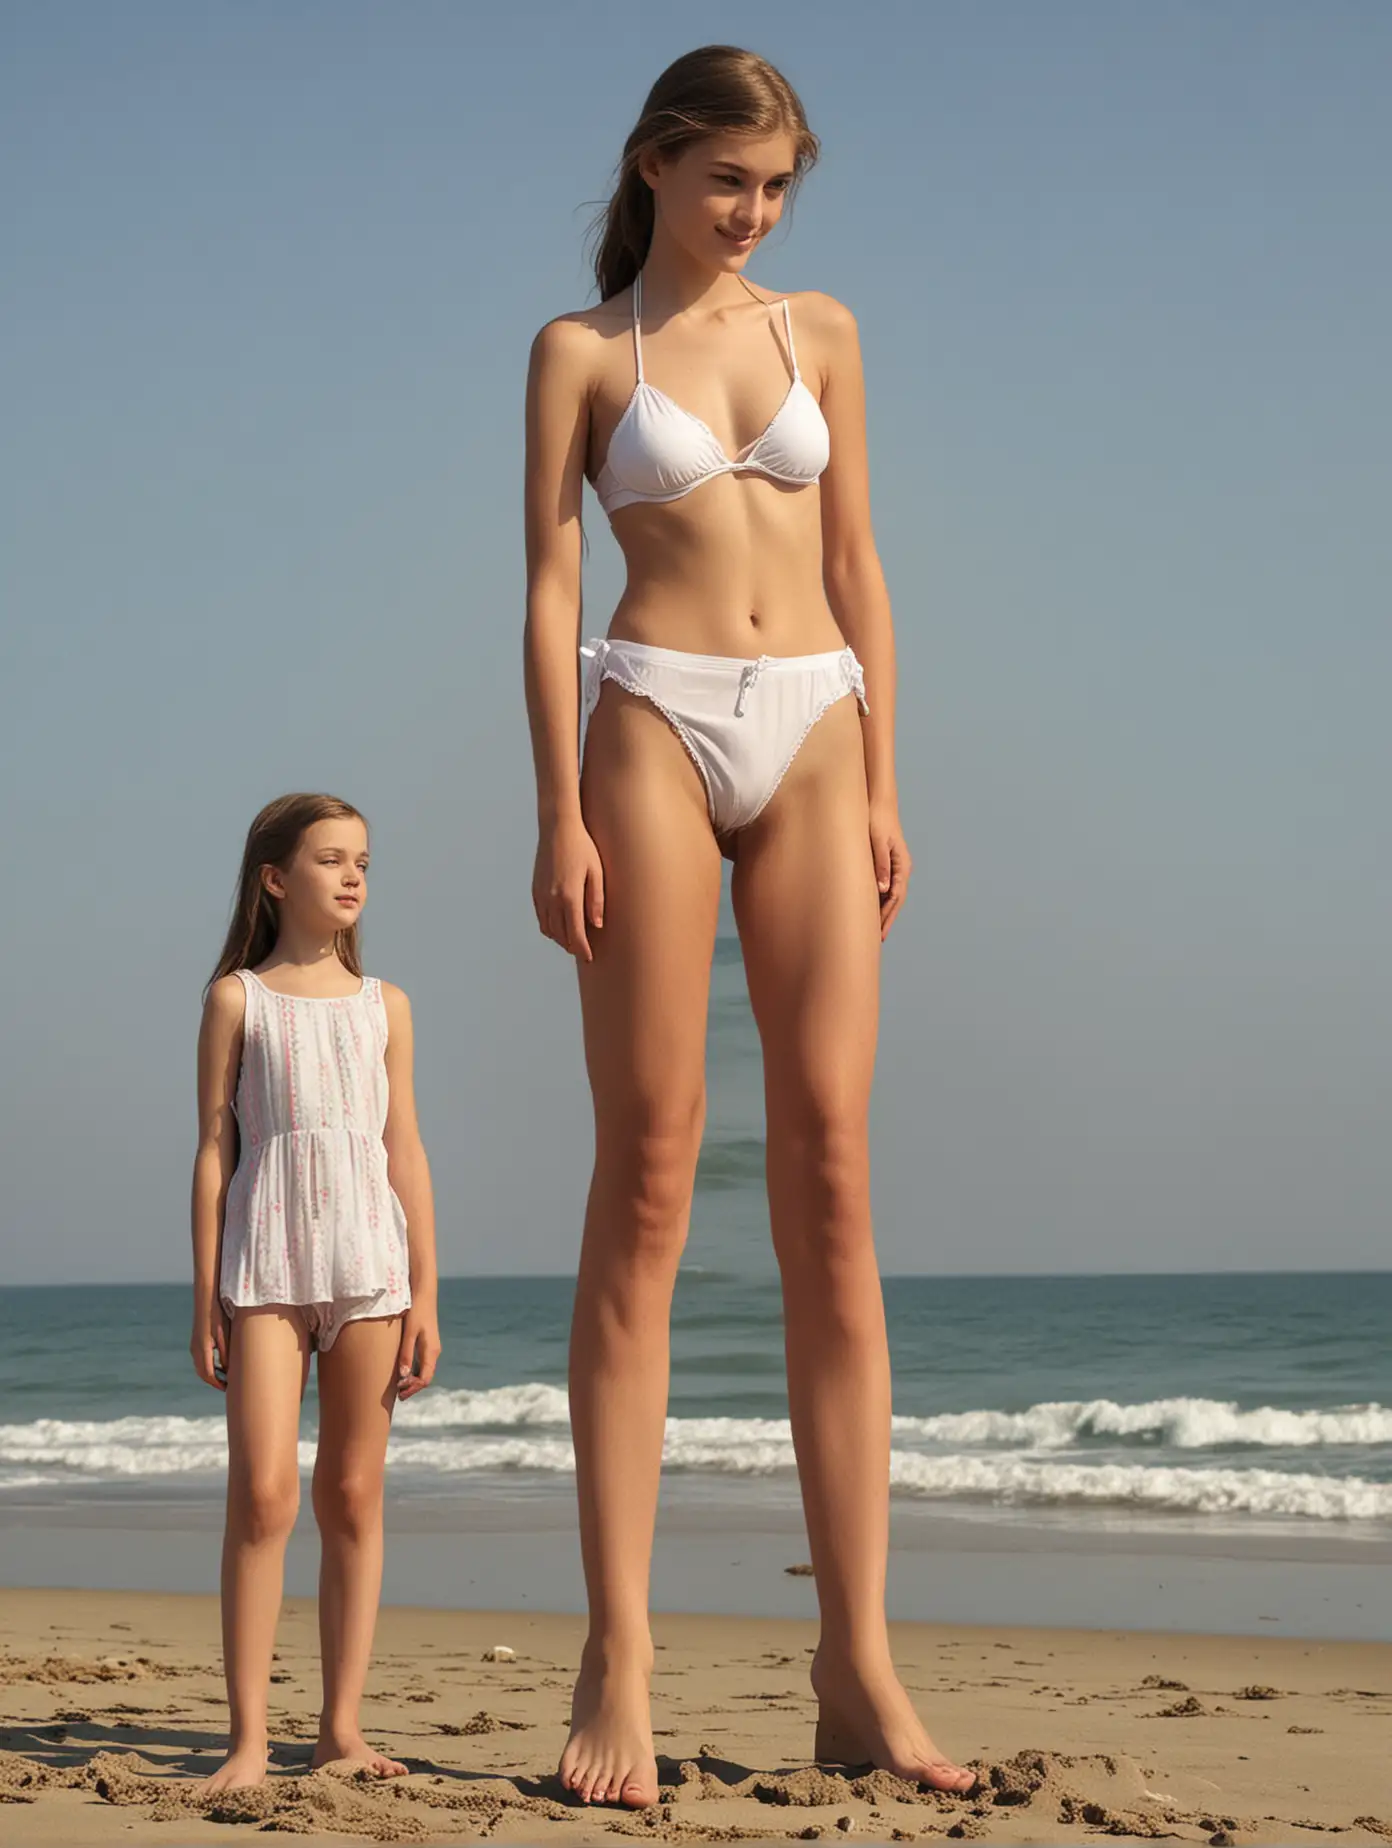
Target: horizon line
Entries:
(1070, 1276)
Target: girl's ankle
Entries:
(248, 1741)
(342, 1726)
(619, 1650)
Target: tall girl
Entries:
(313, 1233)
(742, 704)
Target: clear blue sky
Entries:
(269, 276)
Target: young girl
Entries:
(313, 1232)
(742, 704)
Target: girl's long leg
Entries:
(808, 913)
(266, 1372)
(644, 1005)
(357, 1394)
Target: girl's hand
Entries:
(568, 887)
(210, 1344)
(420, 1349)
(892, 862)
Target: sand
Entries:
(111, 1707)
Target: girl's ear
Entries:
(273, 881)
(649, 166)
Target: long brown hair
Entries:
(271, 841)
(718, 88)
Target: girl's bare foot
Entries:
(243, 1766)
(336, 1748)
(867, 1718)
(609, 1755)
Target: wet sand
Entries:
(499, 1545)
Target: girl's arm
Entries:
(856, 591)
(219, 1061)
(568, 881)
(409, 1174)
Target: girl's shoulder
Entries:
(824, 333)
(225, 1003)
(597, 320)
(822, 326)
(396, 1010)
(576, 341)
(822, 313)
(395, 1000)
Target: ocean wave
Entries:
(118, 1446)
(122, 1447)
(1182, 1424)
(1176, 1424)
(988, 1457)
(1020, 1481)
(532, 1405)
(1004, 1481)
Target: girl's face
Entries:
(719, 197)
(325, 885)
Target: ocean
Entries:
(1210, 1451)
(1229, 1401)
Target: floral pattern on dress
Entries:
(311, 1217)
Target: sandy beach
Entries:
(112, 1706)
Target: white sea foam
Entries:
(1182, 1424)
(1011, 1481)
(981, 1456)
(122, 1447)
(530, 1405)
(1022, 1481)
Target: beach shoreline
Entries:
(512, 1545)
(112, 1707)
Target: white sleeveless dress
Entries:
(311, 1218)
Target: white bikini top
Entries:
(659, 452)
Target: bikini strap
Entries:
(637, 324)
(788, 329)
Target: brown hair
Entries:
(271, 841)
(716, 88)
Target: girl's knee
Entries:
(263, 1505)
(822, 1150)
(819, 1180)
(645, 1169)
(348, 1501)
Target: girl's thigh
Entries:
(808, 912)
(268, 1364)
(357, 1394)
(644, 996)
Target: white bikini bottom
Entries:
(743, 722)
